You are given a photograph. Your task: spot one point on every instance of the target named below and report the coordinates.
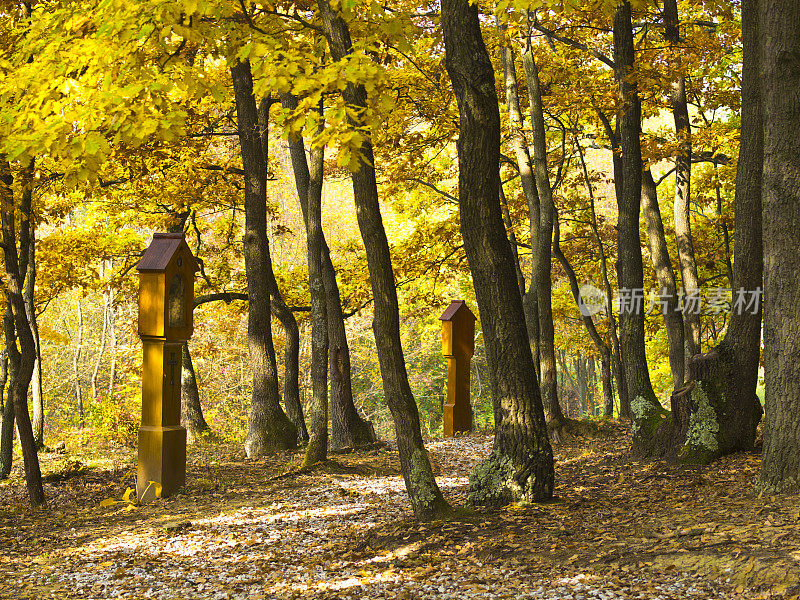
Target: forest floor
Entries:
(618, 528)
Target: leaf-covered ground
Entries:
(618, 528)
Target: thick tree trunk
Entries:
(659, 254)
(529, 188)
(543, 254)
(15, 269)
(521, 464)
(683, 178)
(779, 34)
(318, 444)
(426, 498)
(348, 429)
(645, 407)
(269, 428)
(191, 411)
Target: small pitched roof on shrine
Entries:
(161, 251)
(453, 309)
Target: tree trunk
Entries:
(8, 375)
(14, 283)
(659, 254)
(521, 464)
(37, 400)
(98, 361)
(512, 239)
(683, 178)
(426, 498)
(269, 428)
(592, 376)
(645, 407)
(617, 364)
(318, 444)
(543, 255)
(191, 411)
(529, 188)
(779, 75)
(76, 359)
(279, 308)
(348, 429)
(112, 340)
(608, 391)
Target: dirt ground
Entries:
(618, 528)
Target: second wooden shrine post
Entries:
(458, 346)
(166, 301)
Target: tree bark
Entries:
(318, 444)
(348, 429)
(644, 405)
(779, 35)
(683, 178)
(426, 498)
(9, 371)
(269, 428)
(617, 364)
(659, 254)
(521, 464)
(37, 400)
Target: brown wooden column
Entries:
(166, 298)
(458, 346)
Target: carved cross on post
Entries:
(172, 362)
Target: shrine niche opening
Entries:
(177, 302)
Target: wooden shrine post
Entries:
(166, 300)
(458, 346)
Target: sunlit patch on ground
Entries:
(238, 532)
